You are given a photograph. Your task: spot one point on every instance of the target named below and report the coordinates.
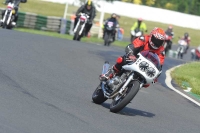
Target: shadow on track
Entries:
(131, 112)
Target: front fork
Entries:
(5, 14)
(10, 15)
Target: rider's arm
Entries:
(134, 26)
(93, 13)
(17, 2)
(144, 27)
(79, 10)
(189, 40)
(136, 46)
(161, 55)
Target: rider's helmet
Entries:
(170, 28)
(88, 4)
(157, 38)
(140, 19)
(113, 15)
(186, 35)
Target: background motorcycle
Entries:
(109, 33)
(79, 30)
(168, 42)
(135, 33)
(195, 54)
(123, 87)
(8, 17)
(181, 48)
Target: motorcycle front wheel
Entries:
(120, 101)
(98, 96)
(76, 35)
(107, 39)
(5, 23)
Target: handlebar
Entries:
(84, 14)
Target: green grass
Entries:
(69, 37)
(189, 73)
(55, 9)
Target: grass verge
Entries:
(188, 73)
(69, 37)
(56, 9)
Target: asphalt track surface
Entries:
(46, 85)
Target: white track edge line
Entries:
(168, 83)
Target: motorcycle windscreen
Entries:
(153, 57)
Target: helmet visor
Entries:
(156, 42)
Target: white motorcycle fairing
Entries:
(144, 67)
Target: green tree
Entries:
(183, 6)
(150, 2)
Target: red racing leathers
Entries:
(142, 44)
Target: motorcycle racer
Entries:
(153, 42)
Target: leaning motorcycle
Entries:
(9, 16)
(109, 33)
(135, 33)
(79, 30)
(181, 48)
(123, 87)
(168, 42)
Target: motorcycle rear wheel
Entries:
(119, 103)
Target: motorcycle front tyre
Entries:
(98, 96)
(76, 35)
(132, 90)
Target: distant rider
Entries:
(89, 9)
(169, 31)
(187, 38)
(16, 6)
(196, 53)
(113, 19)
(153, 42)
(140, 25)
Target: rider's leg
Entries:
(87, 29)
(115, 69)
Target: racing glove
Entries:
(132, 57)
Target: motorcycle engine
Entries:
(115, 82)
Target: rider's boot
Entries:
(109, 74)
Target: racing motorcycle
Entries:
(9, 15)
(123, 87)
(168, 42)
(135, 33)
(79, 30)
(109, 33)
(181, 48)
